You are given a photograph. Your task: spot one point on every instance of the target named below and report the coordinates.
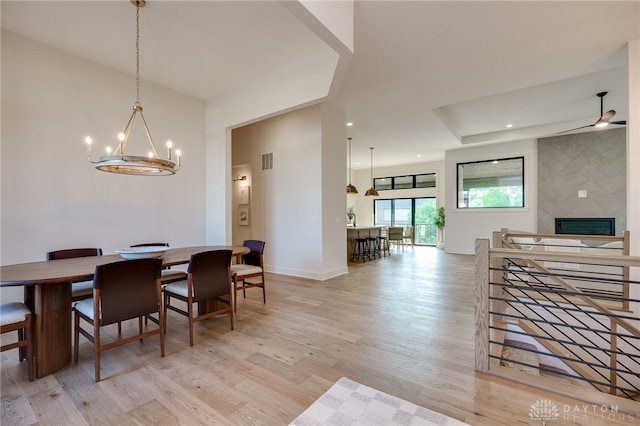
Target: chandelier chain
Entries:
(137, 54)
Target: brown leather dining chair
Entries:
(252, 266)
(122, 290)
(208, 279)
(80, 289)
(168, 275)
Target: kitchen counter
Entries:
(354, 232)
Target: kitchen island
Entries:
(354, 232)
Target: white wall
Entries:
(463, 226)
(296, 206)
(302, 83)
(633, 165)
(52, 198)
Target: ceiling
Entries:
(425, 76)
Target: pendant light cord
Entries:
(371, 166)
(349, 161)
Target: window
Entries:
(427, 180)
(418, 212)
(403, 182)
(491, 184)
(383, 183)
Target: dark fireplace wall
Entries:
(594, 162)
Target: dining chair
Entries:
(208, 283)
(16, 316)
(396, 235)
(252, 266)
(168, 275)
(407, 236)
(122, 290)
(79, 289)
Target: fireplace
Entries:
(586, 226)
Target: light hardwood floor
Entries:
(402, 324)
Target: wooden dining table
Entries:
(48, 295)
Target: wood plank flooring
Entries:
(402, 324)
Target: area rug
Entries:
(351, 403)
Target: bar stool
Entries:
(374, 247)
(360, 250)
(383, 243)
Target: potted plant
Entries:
(351, 215)
(438, 221)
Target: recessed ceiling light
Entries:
(509, 126)
(419, 155)
(349, 124)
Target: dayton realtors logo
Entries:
(545, 410)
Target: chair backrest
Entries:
(254, 257)
(396, 233)
(128, 289)
(75, 252)
(408, 231)
(150, 245)
(210, 274)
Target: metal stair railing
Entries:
(516, 293)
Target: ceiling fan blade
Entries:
(621, 122)
(608, 115)
(577, 128)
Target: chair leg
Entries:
(234, 289)
(164, 317)
(29, 337)
(161, 322)
(96, 347)
(140, 326)
(21, 350)
(76, 336)
(190, 310)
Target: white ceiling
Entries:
(425, 76)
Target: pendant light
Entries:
(350, 188)
(371, 192)
(150, 165)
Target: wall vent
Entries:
(267, 161)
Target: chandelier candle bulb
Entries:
(88, 141)
(169, 145)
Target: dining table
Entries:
(48, 294)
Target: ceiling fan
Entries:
(604, 119)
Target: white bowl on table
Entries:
(142, 252)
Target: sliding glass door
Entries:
(417, 212)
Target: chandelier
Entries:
(119, 162)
